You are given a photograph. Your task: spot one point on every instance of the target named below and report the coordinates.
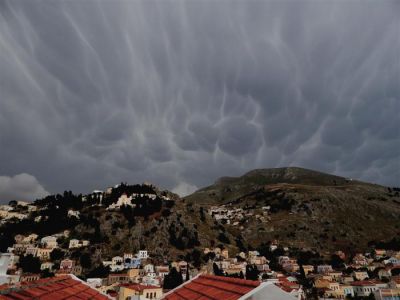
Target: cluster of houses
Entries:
(236, 267)
(234, 216)
(375, 275)
(42, 249)
(126, 200)
(368, 275)
(20, 211)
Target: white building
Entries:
(73, 213)
(49, 242)
(46, 265)
(5, 259)
(74, 243)
(143, 254)
(364, 288)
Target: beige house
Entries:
(49, 242)
(308, 269)
(144, 292)
(46, 265)
(43, 253)
(74, 243)
(360, 275)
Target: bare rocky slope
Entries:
(308, 209)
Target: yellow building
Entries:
(43, 253)
(308, 269)
(144, 291)
(133, 273)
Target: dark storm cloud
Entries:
(179, 93)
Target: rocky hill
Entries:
(122, 219)
(306, 208)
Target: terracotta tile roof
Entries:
(206, 287)
(54, 288)
(363, 283)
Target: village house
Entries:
(360, 275)
(117, 260)
(31, 250)
(335, 275)
(143, 254)
(364, 288)
(332, 290)
(322, 269)
(43, 253)
(73, 213)
(133, 274)
(321, 283)
(308, 269)
(379, 253)
(123, 200)
(149, 269)
(5, 259)
(150, 280)
(30, 238)
(347, 279)
(47, 265)
(258, 260)
(394, 261)
(74, 243)
(95, 282)
(131, 262)
(395, 282)
(384, 273)
(387, 294)
(29, 277)
(118, 278)
(139, 291)
(67, 265)
(6, 207)
(360, 260)
(345, 291)
(12, 260)
(162, 271)
(49, 242)
(7, 215)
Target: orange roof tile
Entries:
(363, 283)
(54, 288)
(206, 287)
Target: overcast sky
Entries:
(179, 93)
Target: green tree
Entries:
(86, 261)
(252, 272)
(172, 279)
(217, 270)
(99, 272)
(29, 264)
(56, 254)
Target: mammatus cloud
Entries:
(23, 187)
(179, 93)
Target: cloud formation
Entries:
(180, 93)
(20, 187)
